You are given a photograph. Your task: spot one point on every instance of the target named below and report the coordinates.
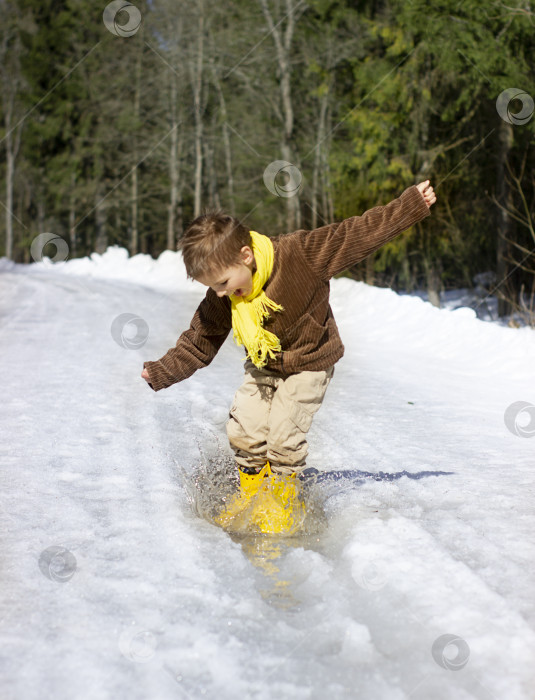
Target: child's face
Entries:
(237, 279)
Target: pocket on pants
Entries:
(301, 417)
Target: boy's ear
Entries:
(247, 254)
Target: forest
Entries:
(121, 122)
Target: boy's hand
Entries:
(145, 374)
(427, 192)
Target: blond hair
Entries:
(212, 242)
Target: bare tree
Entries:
(196, 70)
(11, 84)
(174, 209)
(513, 298)
(282, 30)
(504, 221)
(134, 234)
(215, 74)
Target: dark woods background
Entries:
(123, 140)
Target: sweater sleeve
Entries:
(196, 347)
(333, 248)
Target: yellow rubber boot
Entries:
(278, 507)
(249, 486)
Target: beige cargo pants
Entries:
(271, 416)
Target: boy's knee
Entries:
(237, 437)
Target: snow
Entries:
(114, 587)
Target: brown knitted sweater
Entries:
(304, 262)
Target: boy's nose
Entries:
(221, 294)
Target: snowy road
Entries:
(112, 586)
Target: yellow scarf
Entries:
(249, 312)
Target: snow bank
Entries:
(380, 315)
(167, 272)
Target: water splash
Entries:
(214, 481)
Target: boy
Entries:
(274, 295)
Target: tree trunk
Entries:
(173, 168)
(226, 143)
(503, 223)
(283, 46)
(133, 211)
(327, 193)
(318, 158)
(10, 170)
(176, 117)
(173, 190)
(72, 217)
(370, 272)
(41, 226)
(179, 221)
(433, 282)
(213, 194)
(12, 148)
(101, 242)
(10, 85)
(196, 71)
(134, 232)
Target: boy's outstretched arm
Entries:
(332, 249)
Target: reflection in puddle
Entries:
(264, 552)
(267, 553)
(209, 488)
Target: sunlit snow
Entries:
(419, 584)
